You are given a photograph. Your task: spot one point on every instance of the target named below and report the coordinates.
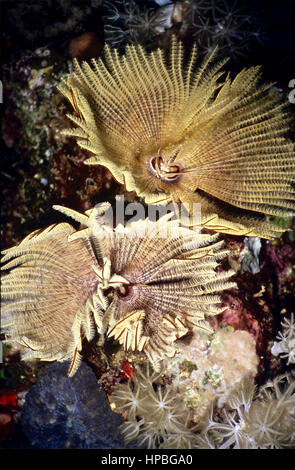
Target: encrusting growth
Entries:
(174, 132)
(145, 290)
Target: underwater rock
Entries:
(62, 412)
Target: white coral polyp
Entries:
(285, 347)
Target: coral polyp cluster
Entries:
(155, 417)
(131, 21)
(256, 419)
(285, 346)
(225, 23)
(172, 131)
(144, 289)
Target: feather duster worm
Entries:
(160, 285)
(145, 291)
(174, 132)
(46, 285)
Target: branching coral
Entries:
(285, 346)
(144, 288)
(173, 133)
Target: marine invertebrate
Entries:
(248, 417)
(230, 24)
(161, 285)
(285, 346)
(255, 419)
(128, 21)
(64, 285)
(156, 417)
(46, 285)
(205, 371)
(175, 133)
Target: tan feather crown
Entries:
(63, 285)
(175, 132)
(46, 283)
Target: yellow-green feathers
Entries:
(174, 131)
(62, 286)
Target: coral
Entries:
(204, 370)
(226, 23)
(170, 409)
(33, 114)
(128, 21)
(70, 413)
(143, 288)
(211, 396)
(155, 416)
(39, 166)
(109, 294)
(261, 419)
(244, 417)
(172, 133)
(230, 25)
(285, 346)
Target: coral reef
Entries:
(205, 371)
(39, 168)
(215, 391)
(230, 25)
(155, 418)
(173, 133)
(130, 21)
